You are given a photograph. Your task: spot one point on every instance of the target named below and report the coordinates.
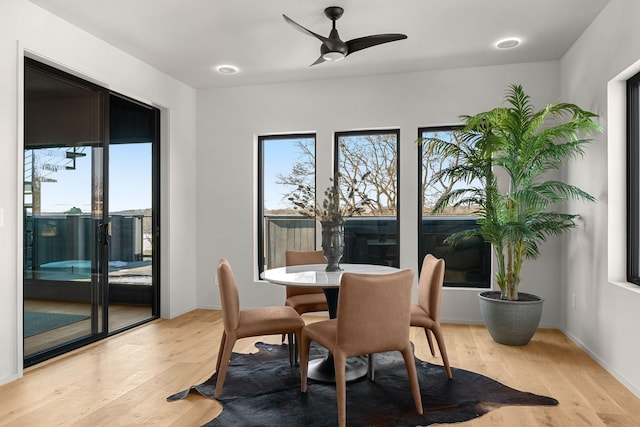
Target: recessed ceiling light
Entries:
(508, 43)
(227, 69)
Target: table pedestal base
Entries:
(323, 369)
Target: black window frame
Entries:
(486, 255)
(633, 179)
(260, 226)
(396, 131)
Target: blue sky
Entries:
(279, 156)
(130, 179)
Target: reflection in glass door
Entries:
(133, 128)
(63, 216)
(90, 217)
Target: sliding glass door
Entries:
(90, 227)
(133, 221)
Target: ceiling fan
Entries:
(333, 48)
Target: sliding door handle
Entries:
(104, 233)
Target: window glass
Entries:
(367, 167)
(633, 179)
(467, 264)
(287, 166)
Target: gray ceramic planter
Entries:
(511, 322)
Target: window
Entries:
(467, 264)
(286, 163)
(367, 164)
(633, 179)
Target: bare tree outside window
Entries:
(366, 171)
(369, 163)
(286, 163)
(302, 174)
(367, 167)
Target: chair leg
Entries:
(220, 350)
(430, 341)
(437, 331)
(304, 343)
(410, 363)
(339, 361)
(371, 372)
(291, 346)
(224, 364)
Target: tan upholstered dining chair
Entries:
(373, 317)
(426, 314)
(248, 323)
(305, 299)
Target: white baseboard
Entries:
(8, 379)
(628, 384)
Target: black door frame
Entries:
(97, 332)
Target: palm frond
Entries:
(526, 144)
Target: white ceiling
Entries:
(188, 38)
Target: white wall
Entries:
(606, 316)
(27, 28)
(229, 120)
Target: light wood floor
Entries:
(124, 380)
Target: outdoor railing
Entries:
(374, 240)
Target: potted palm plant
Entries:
(504, 157)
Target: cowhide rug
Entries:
(262, 389)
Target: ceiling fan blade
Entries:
(302, 29)
(370, 41)
(320, 60)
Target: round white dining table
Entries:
(315, 275)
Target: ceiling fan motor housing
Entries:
(334, 49)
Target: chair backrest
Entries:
(430, 285)
(304, 257)
(374, 312)
(228, 296)
(300, 258)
